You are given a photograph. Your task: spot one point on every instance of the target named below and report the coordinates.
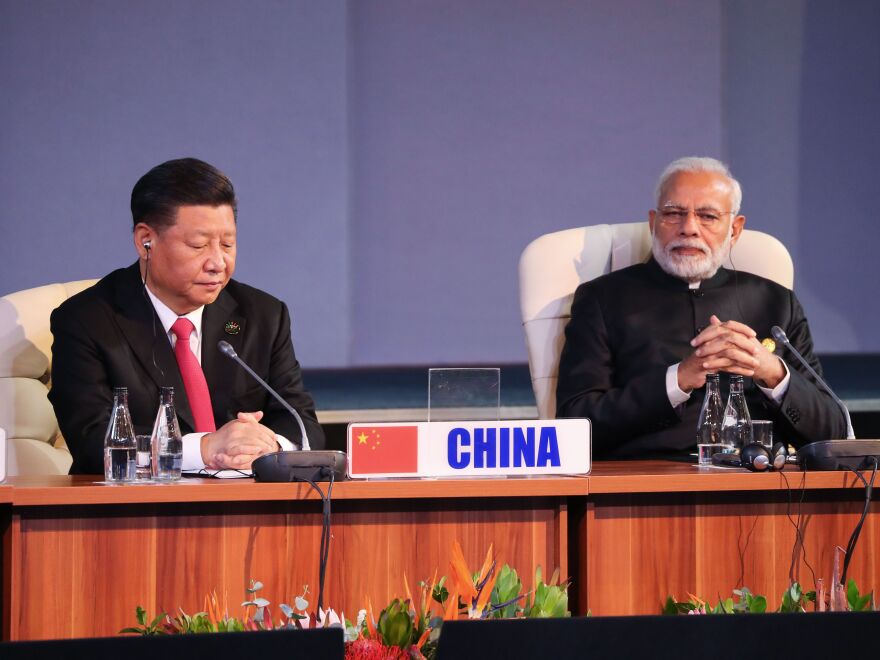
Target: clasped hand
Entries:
(236, 444)
(732, 347)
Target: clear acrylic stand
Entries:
(464, 394)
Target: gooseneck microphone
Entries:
(308, 466)
(227, 350)
(780, 336)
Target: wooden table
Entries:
(653, 528)
(79, 557)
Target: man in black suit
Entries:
(123, 331)
(641, 340)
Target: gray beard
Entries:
(690, 268)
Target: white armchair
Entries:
(35, 444)
(554, 265)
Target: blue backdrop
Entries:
(393, 158)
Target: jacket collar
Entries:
(671, 282)
(149, 343)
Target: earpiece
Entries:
(148, 245)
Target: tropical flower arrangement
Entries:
(839, 598)
(793, 600)
(405, 628)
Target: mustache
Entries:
(693, 243)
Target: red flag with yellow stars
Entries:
(384, 449)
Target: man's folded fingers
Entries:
(741, 328)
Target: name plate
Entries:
(469, 449)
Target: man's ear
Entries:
(736, 227)
(144, 240)
(652, 216)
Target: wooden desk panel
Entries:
(678, 477)
(82, 556)
(650, 529)
(78, 557)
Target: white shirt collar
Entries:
(168, 316)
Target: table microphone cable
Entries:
(854, 537)
(325, 529)
(799, 534)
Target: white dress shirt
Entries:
(192, 445)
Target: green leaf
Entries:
(141, 615)
(398, 630)
(852, 593)
(856, 602)
(503, 599)
(395, 625)
(757, 605)
(670, 607)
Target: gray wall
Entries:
(480, 126)
(95, 92)
(801, 106)
(393, 158)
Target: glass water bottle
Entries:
(166, 442)
(711, 414)
(120, 446)
(737, 427)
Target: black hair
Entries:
(158, 194)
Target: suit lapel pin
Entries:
(232, 328)
(769, 344)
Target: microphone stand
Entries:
(227, 350)
(780, 336)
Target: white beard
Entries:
(691, 268)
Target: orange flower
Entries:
(461, 576)
(371, 626)
(451, 613)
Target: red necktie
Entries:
(193, 377)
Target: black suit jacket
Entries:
(629, 326)
(110, 336)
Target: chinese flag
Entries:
(380, 449)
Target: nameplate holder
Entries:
(469, 449)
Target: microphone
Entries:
(780, 336)
(227, 350)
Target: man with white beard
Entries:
(642, 340)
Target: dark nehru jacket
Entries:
(629, 326)
(110, 336)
